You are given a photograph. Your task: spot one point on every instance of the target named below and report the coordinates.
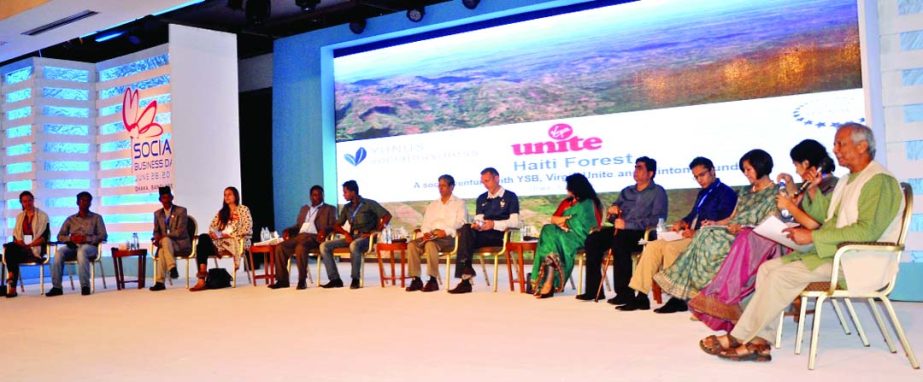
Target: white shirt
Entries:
(308, 226)
(448, 216)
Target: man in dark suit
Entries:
(313, 224)
(171, 237)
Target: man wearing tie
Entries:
(171, 237)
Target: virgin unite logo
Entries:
(563, 140)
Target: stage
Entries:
(386, 334)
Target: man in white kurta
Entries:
(863, 207)
(440, 221)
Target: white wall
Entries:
(205, 118)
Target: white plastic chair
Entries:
(870, 270)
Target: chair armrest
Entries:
(647, 233)
(845, 248)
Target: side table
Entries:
(269, 262)
(118, 255)
(519, 247)
(392, 248)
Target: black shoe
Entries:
(431, 286)
(157, 287)
(640, 303)
(337, 283)
(173, 273)
(278, 285)
(547, 295)
(302, 285)
(355, 284)
(415, 285)
(589, 297)
(463, 287)
(672, 306)
(621, 299)
(54, 292)
(84, 291)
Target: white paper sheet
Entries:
(772, 228)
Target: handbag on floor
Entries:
(217, 278)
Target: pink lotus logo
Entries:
(139, 125)
(563, 141)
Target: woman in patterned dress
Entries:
(699, 263)
(228, 235)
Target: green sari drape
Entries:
(554, 240)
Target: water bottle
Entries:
(135, 244)
(786, 215)
(660, 228)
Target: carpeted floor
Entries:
(386, 334)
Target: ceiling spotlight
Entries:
(307, 5)
(257, 11)
(471, 4)
(416, 14)
(357, 26)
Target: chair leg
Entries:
(484, 269)
(362, 274)
(448, 273)
(881, 325)
(799, 335)
(70, 275)
(580, 275)
(839, 316)
(779, 330)
(22, 286)
(93, 278)
(307, 270)
(815, 332)
(855, 322)
(496, 270)
(187, 273)
(318, 271)
(900, 333)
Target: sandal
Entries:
(712, 345)
(755, 352)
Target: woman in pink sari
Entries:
(719, 304)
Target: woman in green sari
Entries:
(699, 263)
(559, 241)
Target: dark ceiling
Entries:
(247, 18)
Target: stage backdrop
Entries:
(108, 128)
(590, 92)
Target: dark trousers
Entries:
(622, 244)
(14, 255)
(205, 249)
(470, 240)
(299, 246)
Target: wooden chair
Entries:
(98, 261)
(315, 253)
(878, 259)
(343, 252)
(482, 253)
(41, 269)
(655, 290)
(245, 262)
(192, 227)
